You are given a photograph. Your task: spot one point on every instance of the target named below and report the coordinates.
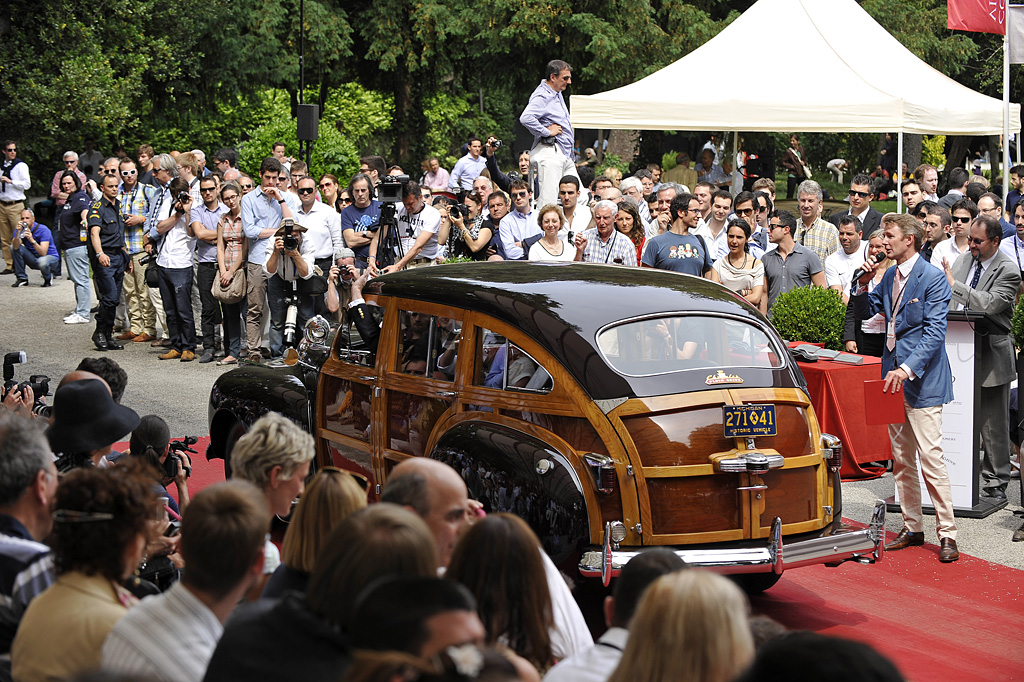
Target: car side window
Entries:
(504, 365)
(352, 347)
(428, 345)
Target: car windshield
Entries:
(661, 345)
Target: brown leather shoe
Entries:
(187, 356)
(126, 336)
(170, 355)
(1018, 535)
(906, 538)
(142, 338)
(160, 343)
(948, 552)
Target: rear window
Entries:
(683, 342)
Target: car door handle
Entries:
(368, 377)
(753, 487)
(447, 394)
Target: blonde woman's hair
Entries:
(327, 501)
(272, 441)
(690, 625)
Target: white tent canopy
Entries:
(845, 73)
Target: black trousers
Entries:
(108, 288)
(209, 318)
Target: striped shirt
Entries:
(18, 552)
(169, 637)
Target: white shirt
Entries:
(1014, 248)
(570, 634)
(323, 229)
(581, 217)
(595, 664)
(286, 269)
(177, 248)
(840, 266)
(168, 637)
(717, 246)
(947, 249)
(410, 227)
(15, 191)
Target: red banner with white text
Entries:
(984, 16)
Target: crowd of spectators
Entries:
(422, 585)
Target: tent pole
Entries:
(735, 151)
(1006, 116)
(899, 173)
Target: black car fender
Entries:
(511, 471)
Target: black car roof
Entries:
(562, 306)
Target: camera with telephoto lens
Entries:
(39, 383)
(148, 258)
(390, 189)
(291, 243)
(174, 462)
(455, 210)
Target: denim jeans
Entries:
(277, 290)
(26, 257)
(176, 292)
(108, 287)
(77, 259)
(233, 328)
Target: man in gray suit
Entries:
(986, 280)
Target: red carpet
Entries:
(959, 622)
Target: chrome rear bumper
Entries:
(864, 546)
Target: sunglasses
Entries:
(11, 149)
(324, 185)
(762, 209)
(68, 163)
(108, 171)
(774, 226)
(347, 200)
(862, 195)
(961, 219)
(517, 195)
(744, 212)
(306, 190)
(247, 186)
(207, 189)
(129, 173)
(979, 242)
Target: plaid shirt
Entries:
(822, 238)
(618, 249)
(136, 202)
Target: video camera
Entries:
(39, 383)
(390, 189)
(174, 463)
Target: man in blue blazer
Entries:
(914, 296)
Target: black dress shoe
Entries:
(100, 340)
(112, 344)
(948, 552)
(996, 494)
(906, 538)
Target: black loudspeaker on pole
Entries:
(308, 128)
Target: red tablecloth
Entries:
(837, 393)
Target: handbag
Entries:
(234, 292)
(316, 283)
(153, 275)
(807, 171)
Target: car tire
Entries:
(755, 583)
(236, 431)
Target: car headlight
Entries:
(316, 330)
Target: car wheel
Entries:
(755, 583)
(236, 431)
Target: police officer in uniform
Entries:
(109, 256)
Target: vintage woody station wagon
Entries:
(612, 408)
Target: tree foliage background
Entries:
(403, 78)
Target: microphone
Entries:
(859, 272)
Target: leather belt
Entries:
(11, 203)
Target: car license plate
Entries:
(742, 421)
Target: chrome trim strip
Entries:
(865, 546)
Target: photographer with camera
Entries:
(175, 261)
(290, 260)
(151, 442)
(32, 246)
(419, 229)
(339, 281)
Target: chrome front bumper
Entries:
(863, 546)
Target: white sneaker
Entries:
(76, 319)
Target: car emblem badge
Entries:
(723, 378)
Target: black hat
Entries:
(85, 417)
